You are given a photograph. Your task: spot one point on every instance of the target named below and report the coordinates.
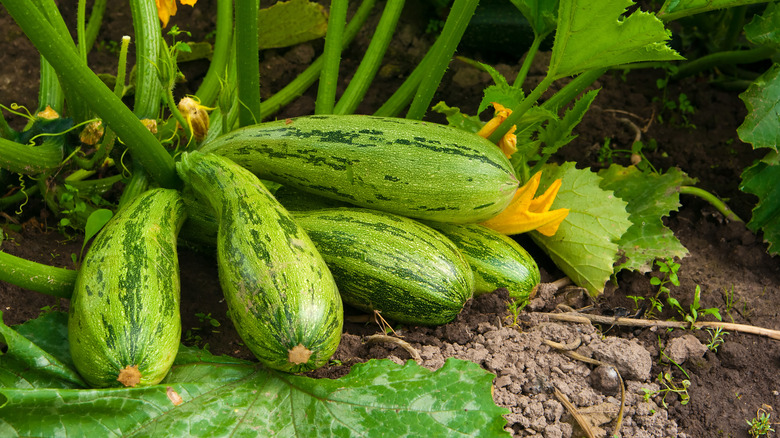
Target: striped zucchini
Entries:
(124, 326)
(411, 168)
(495, 259)
(280, 294)
(407, 271)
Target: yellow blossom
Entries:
(527, 213)
(196, 116)
(167, 8)
(508, 142)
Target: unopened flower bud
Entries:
(196, 115)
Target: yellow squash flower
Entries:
(526, 213)
(196, 115)
(167, 8)
(508, 142)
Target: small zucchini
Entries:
(124, 326)
(496, 260)
(407, 271)
(281, 296)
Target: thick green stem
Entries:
(573, 89)
(457, 21)
(38, 277)
(247, 62)
(6, 132)
(372, 59)
(713, 200)
(148, 40)
(326, 91)
(529, 59)
(49, 90)
(95, 20)
(142, 144)
(520, 109)
(306, 78)
(210, 87)
(21, 196)
(81, 29)
(724, 58)
(404, 94)
(31, 160)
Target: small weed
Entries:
(515, 307)
(695, 308)
(760, 425)
(49, 309)
(192, 338)
(207, 318)
(728, 297)
(716, 339)
(669, 386)
(669, 268)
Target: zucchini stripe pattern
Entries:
(407, 271)
(496, 260)
(411, 168)
(124, 326)
(281, 296)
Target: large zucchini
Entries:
(407, 271)
(280, 294)
(496, 260)
(124, 326)
(411, 168)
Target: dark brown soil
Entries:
(726, 260)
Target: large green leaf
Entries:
(593, 35)
(292, 22)
(206, 395)
(585, 246)
(765, 28)
(762, 99)
(650, 197)
(541, 14)
(763, 180)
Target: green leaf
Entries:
(761, 127)
(765, 28)
(650, 197)
(501, 92)
(557, 133)
(95, 223)
(585, 246)
(541, 14)
(289, 23)
(763, 180)
(674, 9)
(207, 395)
(457, 119)
(596, 35)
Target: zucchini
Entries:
(408, 167)
(281, 296)
(124, 325)
(407, 271)
(496, 260)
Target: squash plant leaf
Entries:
(650, 197)
(593, 35)
(541, 14)
(585, 247)
(674, 9)
(289, 23)
(207, 395)
(765, 28)
(762, 99)
(763, 180)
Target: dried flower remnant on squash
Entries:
(526, 213)
(508, 142)
(129, 376)
(299, 354)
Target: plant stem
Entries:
(38, 277)
(143, 145)
(520, 109)
(529, 58)
(371, 60)
(732, 57)
(713, 200)
(95, 20)
(457, 20)
(31, 160)
(19, 196)
(247, 62)
(148, 40)
(6, 132)
(81, 29)
(326, 91)
(573, 89)
(306, 78)
(210, 87)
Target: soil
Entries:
(729, 263)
